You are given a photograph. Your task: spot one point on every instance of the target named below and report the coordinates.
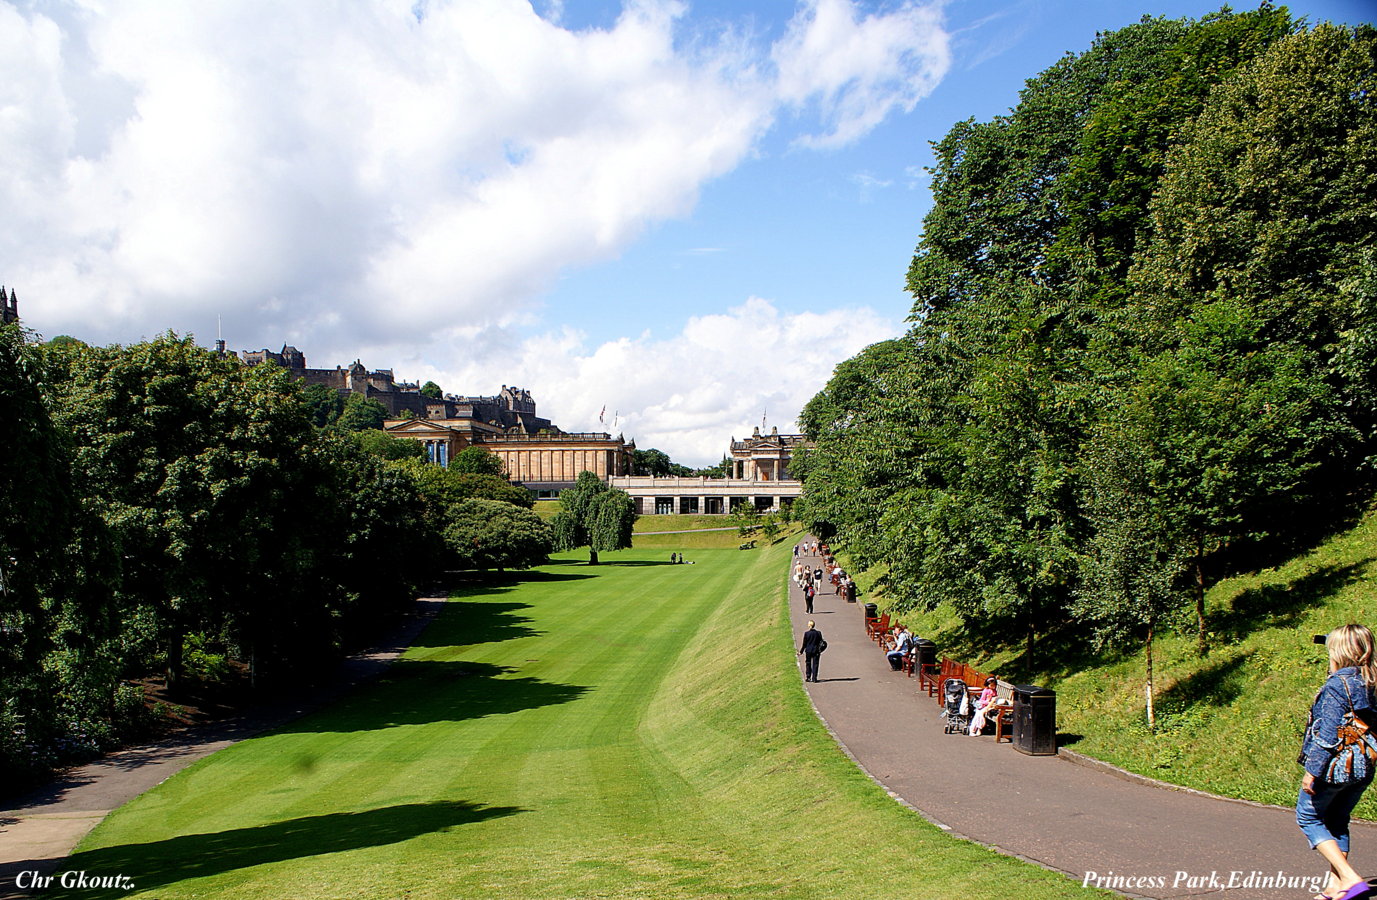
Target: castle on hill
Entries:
(511, 410)
(9, 307)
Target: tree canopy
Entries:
(1140, 340)
(593, 515)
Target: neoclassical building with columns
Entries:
(758, 476)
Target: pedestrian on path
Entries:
(811, 648)
(1337, 768)
(808, 592)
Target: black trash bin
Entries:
(872, 611)
(926, 657)
(1035, 720)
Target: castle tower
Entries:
(9, 307)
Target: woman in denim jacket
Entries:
(1323, 809)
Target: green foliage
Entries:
(1142, 342)
(432, 390)
(324, 403)
(595, 516)
(176, 509)
(746, 518)
(476, 460)
(385, 446)
(360, 413)
(444, 487)
(657, 463)
(489, 534)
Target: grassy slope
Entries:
(630, 730)
(1229, 723)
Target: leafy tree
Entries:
(324, 403)
(187, 453)
(476, 460)
(595, 516)
(489, 534)
(385, 446)
(432, 390)
(717, 470)
(746, 518)
(445, 487)
(360, 413)
(651, 462)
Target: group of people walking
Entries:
(812, 577)
(1338, 751)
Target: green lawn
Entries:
(634, 729)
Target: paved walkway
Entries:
(1049, 810)
(43, 827)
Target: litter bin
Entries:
(926, 656)
(872, 611)
(1035, 720)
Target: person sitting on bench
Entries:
(903, 643)
(986, 706)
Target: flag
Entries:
(602, 414)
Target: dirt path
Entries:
(44, 826)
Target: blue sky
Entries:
(684, 213)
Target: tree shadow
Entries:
(419, 692)
(1218, 684)
(1282, 604)
(467, 622)
(159, 863)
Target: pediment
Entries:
(417, 427)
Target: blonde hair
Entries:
(1352, 645)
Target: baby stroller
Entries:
(956, 700)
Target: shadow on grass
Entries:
(419, 692)
(1282, 605)
(159, 863)
(1218, 684)
(464, 622)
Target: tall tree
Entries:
(191, 455)
(593, 515)
(489, 534)
(476, 460)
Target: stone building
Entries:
(764, 457)
(545, 462)
(758, 476)
(9, 308)
(511, 408)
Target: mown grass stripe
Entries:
(612, 731)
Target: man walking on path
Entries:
(808, 592)
(811, 650)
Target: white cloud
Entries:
(859, 70)
(402, 182)
(327, 171)
(690, 393)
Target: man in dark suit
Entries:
(811, 650)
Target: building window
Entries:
(763, 504)
(442, 455)
(688, 506)
(664, 506)
(714, 506)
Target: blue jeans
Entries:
(1324, 816)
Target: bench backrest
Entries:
(973, 678)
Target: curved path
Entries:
(42, 827)
(1063, 816)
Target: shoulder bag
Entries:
(1355, 755)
